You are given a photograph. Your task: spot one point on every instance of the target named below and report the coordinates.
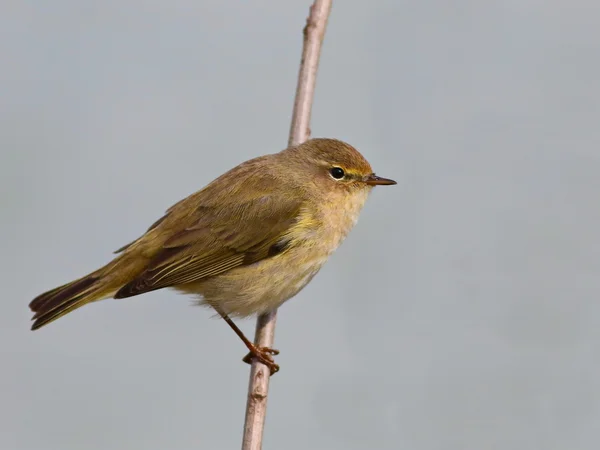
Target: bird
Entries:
(244, 244)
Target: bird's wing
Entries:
(219, 239)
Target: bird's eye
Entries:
(337, 173)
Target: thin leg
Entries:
(262, 354)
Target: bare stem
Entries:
(258, 388)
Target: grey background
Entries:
(462, 312)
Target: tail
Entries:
(62, 300)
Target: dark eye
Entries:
(337, 173)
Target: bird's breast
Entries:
(328, 224)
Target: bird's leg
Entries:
(262, 354)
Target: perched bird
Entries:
(246, 243)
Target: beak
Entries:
(374, 180)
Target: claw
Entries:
(263, 354)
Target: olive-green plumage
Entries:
(246, 243)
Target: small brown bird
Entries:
(246, 243)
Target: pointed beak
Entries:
(374, 180)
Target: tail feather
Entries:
(62, 300)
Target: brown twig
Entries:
(258, 388)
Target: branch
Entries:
(258, 388)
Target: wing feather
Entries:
(218, 240)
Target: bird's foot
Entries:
(264, 355)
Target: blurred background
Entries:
(463, 310)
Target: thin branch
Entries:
(258, 388)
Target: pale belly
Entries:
(260, 287)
